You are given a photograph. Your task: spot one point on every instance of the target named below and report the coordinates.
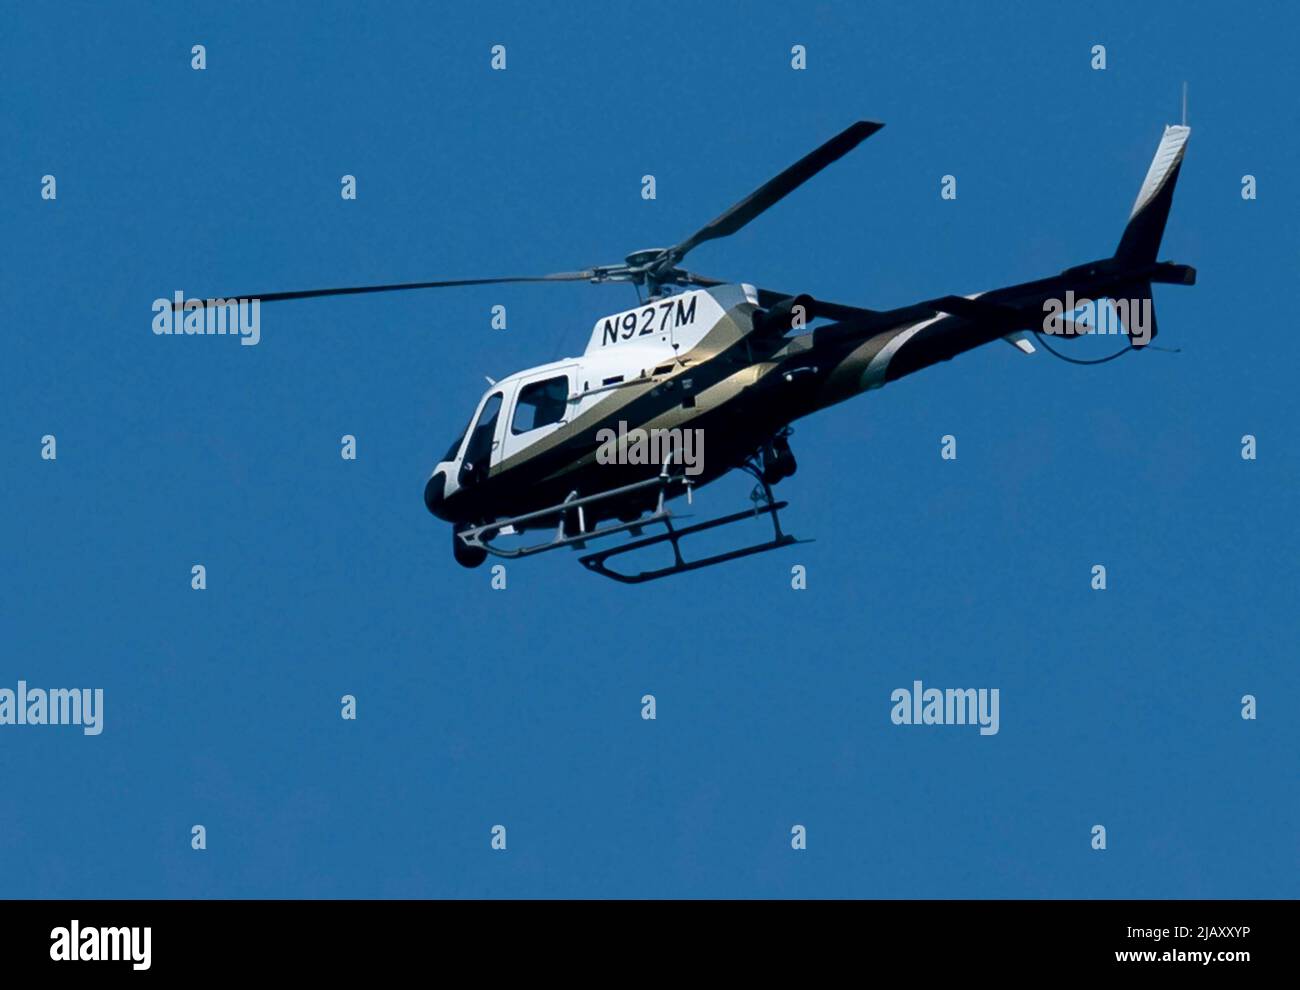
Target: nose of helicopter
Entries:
(434, 493)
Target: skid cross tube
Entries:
(482, 536)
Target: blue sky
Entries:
(522, 707)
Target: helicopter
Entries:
(559, 448)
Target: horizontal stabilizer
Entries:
(1171, 274)
(1020, 341)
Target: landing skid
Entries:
(573, 509)
(596, 562)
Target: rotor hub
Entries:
(645, 257)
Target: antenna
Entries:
(1184, 102)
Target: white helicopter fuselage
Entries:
(632, 350)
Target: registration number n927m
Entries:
(657, 317)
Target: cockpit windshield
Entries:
(455, 445)
(454, 449)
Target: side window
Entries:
(540, 404)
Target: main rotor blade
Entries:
(776, 189)
(397, 287)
